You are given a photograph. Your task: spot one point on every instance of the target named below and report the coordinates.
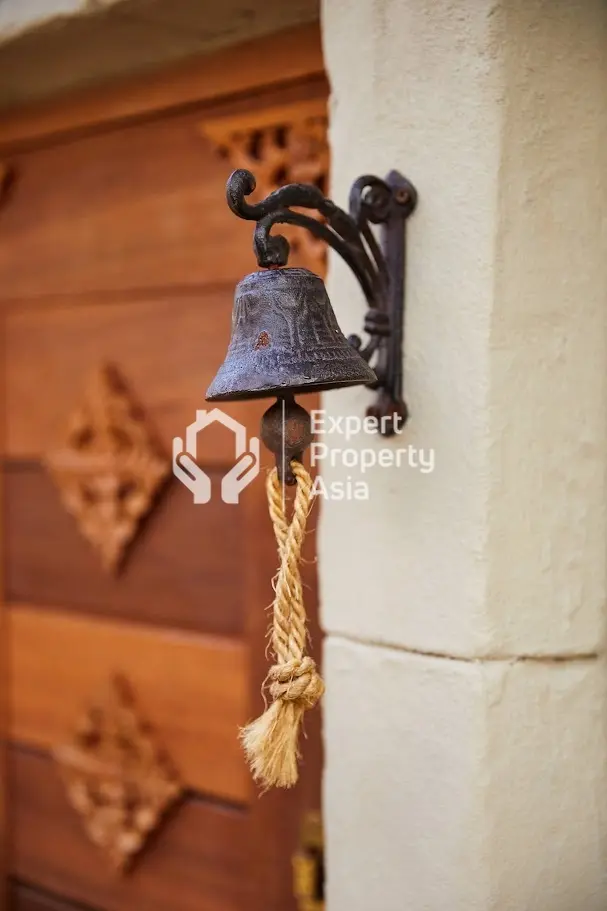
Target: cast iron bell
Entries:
(285, 340)
(285, 337)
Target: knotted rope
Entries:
(270, 742)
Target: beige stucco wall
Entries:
(465, 607)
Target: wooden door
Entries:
(135, 621)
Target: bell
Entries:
(285, 340)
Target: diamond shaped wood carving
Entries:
(116, 777)
(109, 469)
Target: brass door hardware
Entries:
(309, 866)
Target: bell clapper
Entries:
(286, 430)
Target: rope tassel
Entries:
(271, 741)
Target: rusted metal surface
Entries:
(285, 337)
(286, 430)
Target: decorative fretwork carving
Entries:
(110, 468)
(116, 777)
(280, 145)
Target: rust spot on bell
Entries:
(263, 341)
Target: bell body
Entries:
(285, 340)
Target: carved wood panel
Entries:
(109, 468)
(116, 243)
(115, 775)
(286, 144)
(198, 862)
(176, 577)
(193, 687)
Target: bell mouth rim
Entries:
(287, 391)
(276, 270)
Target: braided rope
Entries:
(270, 742)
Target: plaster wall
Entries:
(465, 607)
(471, 786)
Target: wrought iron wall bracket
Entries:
(378, 267)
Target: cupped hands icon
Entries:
(187, 470)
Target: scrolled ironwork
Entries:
(379, 269)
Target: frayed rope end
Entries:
(271, 741)
(270, 745)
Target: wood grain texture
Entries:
(292, 55)
(5, 670)
(191, 689)
(27, 898)
(175, 573)
(167, 350)
(142, 206)
(195, 862)
(116, 245)
(124, 209)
